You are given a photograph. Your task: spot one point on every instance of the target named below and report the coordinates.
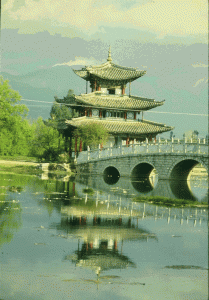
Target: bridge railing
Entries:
(159, 146)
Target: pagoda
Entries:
(109, 105)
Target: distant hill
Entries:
(43, 85)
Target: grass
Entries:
(165, 201)
(20, 169)
(19, 158)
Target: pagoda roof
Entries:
(99, 100)
(115, 126)
(110, 71)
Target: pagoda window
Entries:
(95, 112)
(118, 91)
(104, 90)
(120, 114)
(130, 115)
(111, 91)
(116, 114)
(104, 113)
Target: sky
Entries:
(42, 40)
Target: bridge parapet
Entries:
(159, 146)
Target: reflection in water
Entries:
(101, 228)
(143, 186)
(10, 209)
(194, 189)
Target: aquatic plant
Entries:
(165, 201)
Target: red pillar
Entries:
(90, 113)
(134, 115)
(123, 90)
(80, 146)
(99, 88)
(125, 115)
(95, 85)
(85, 112)
(115, 244)
(127, 141)
(100, 114)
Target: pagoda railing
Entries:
(197, 146)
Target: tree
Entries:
(45, 143)
(195, 133)
(14, 128)
(60, 112)
(92, 134)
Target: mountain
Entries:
(43, 85)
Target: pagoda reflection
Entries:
(101, 230)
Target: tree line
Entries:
(43, 139)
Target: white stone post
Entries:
(159, 144)
(203, 141)
(172, 140)
(99, 151)
(147, 148)
(185, 145)
(134, 146)
(199, 146)
(88, 153)
(110, 149)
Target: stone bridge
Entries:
(168, 159)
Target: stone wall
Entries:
(164, 163)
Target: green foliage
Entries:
(14, 128)
(60, 112)
(165, 201)
(46, 142)
(92, 134)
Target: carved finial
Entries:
(109, 55)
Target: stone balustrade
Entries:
(159, 146)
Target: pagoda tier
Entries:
(105, 101)
(133, 129)
(108, 105)
(109, 75)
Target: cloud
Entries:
(204, 80)
(199, 65)
(80, 61)
(181, 18)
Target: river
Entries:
(86, 238)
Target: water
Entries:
(86, 239)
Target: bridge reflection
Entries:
(151, 186)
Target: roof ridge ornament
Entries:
(109, 55)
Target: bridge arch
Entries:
(182, 167)
(179, 173)
(111, 175)
(140, 177)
